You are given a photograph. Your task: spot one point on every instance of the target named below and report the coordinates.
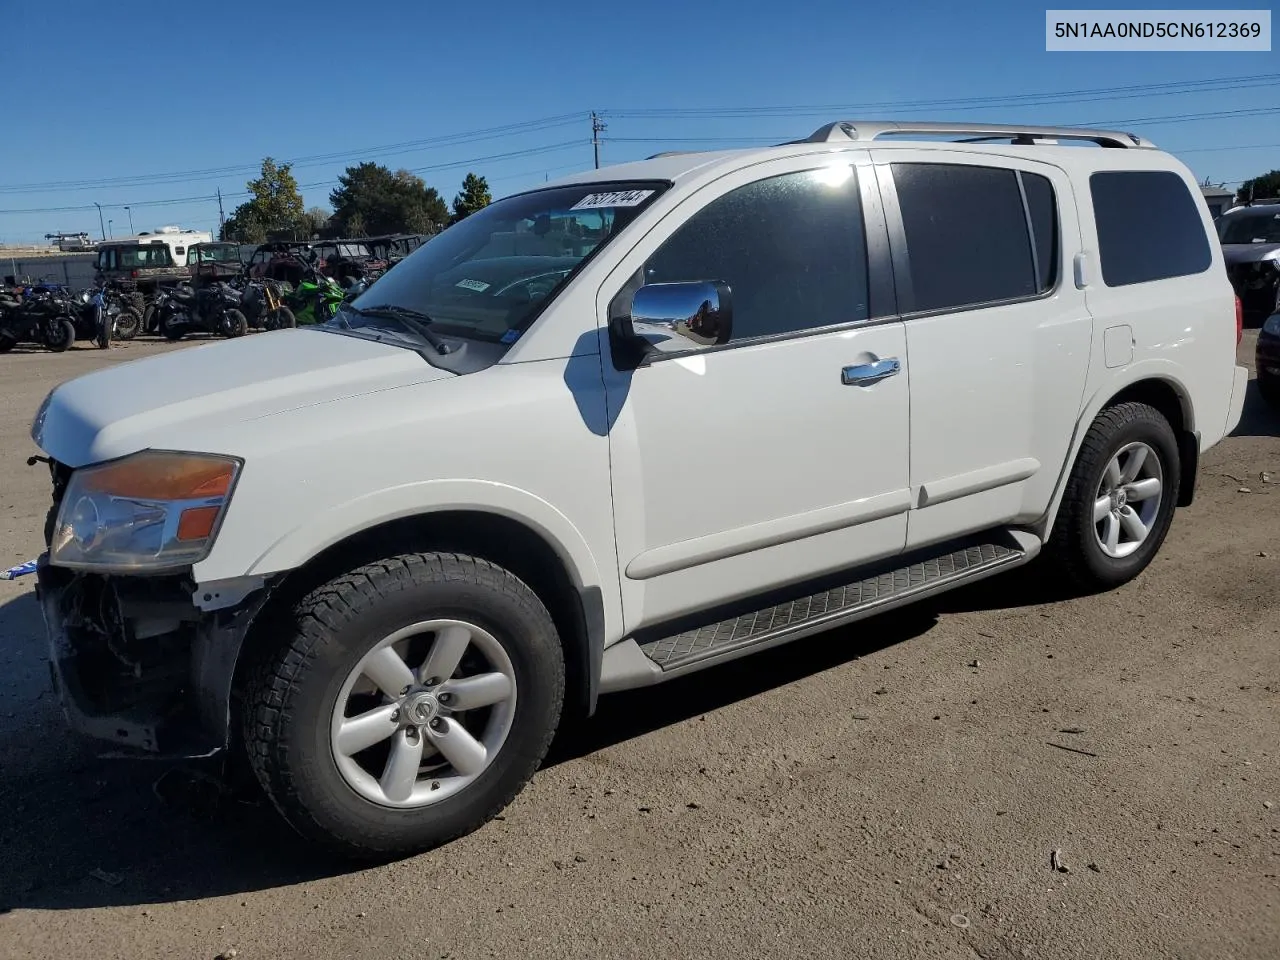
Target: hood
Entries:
(1249, 252)
(113, 412)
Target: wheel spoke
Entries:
(388, 671)
(1112, 535)
(479, 691)
(459, 747)
(361, 732)
(401, 771)
(1136, 459)
(1113, 473)
(1143, 489)
(1101, 509)
(450, 644)
(1133, 524)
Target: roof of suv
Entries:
(1044, 141)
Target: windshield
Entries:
(494, 271)
(215, 254)
(1251, 227)
(150, 255)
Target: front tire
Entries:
(1119, 500)
(234, 324)
(128, 323)
(405, 704)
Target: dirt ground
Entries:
(870, 792)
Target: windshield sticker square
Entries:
(479, 286)
(619, 198)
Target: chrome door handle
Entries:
(865, 374)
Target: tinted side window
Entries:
(1149, 227)
(791, 248)
(966, 234)
(1043, 209)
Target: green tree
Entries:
(1265, 186)
(274, 207)
(375, 200)
(475, 196)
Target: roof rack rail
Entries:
(1021, 134)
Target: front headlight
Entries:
(154, 510)
(1272, 327)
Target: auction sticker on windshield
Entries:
(619, 198)
(479, 286)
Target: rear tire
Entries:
(172, 330)
(300, 688)
(68, 336)
(1093, 506)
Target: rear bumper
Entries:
(1238, 387)
(136, 665)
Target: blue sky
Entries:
(201, 93)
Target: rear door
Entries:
(997, 333)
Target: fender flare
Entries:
(1154, 369)
(318, 533)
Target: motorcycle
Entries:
(105, 313)
(40, 317)
(264, 306)
(316, 298)
(211, 309)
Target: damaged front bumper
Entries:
(137, 663)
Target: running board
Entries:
(629, 663)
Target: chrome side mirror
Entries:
(678, 317)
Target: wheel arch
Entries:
(573, 596)
(1159, 388)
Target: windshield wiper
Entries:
(415, 320)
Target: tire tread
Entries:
(316, 619)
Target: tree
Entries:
(474, 196)
(1267, 185)
(314, 221)
(373, 199)
(274, 206)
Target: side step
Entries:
(630, 664)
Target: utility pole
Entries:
(597, 127)
(130, 213)
(221, 221)
(101, 225)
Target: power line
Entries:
(173, 201)
(211, 173)
(1171, 88)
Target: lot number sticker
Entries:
(479, 286)
(620, 198)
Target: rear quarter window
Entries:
(1149, 227)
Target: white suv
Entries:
(620, 428)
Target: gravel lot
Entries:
(865, 793)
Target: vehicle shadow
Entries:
(80, 831)
(1258, 419)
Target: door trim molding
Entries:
(684, 554)
(976, 481)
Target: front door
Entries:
(784, 453)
